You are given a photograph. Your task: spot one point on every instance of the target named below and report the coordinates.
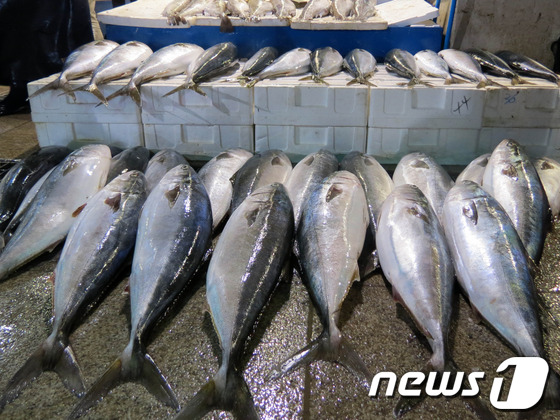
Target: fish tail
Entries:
(177, 89)
(492, 83)
(449, 80)
(122, 91)
(520, 81)
(227, 391)
(225, 24)
(134, 365)
(196, 88)
(352, 82)
(251, 83)
(55, 84)
(92, 88)
(482, 84)
(306, 78)
(55, 354)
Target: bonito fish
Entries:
(162, 162)
(258, 62)
(402, 63)
(216, 175)
(243, 271)
(97, 244)
(474, 171)
(361, 65)
(291, 63)
(134, 158)
(433, 65)
(173, 11)
(495, 65)
(239, 8)
(120, 62)
(513, 181)
(330, 236)
(549, 174)
(464, 65)
(80, 63)
(528, 66)
(168, 61)
(260, 8)
(174, 232)
(58, 202)
(325, 62)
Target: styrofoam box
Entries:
(537, 142)
(444, 106)
(299, 141)
(290, 101)
(59, 120)
(536, 105)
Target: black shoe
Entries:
(15, 102)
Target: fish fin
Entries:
(132, 365)
(352, 82)
(177, 89)
(521, 81)
(52, 355)
(114, 202)
(98, 94)
(306, 78)
(120, 92)
(251, 83)
(55, 84)
(492, 83)
(78, 210)
(482, 84)
(135, 95)
(196, 88)
(368, 83)
(225, 25)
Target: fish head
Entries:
(257, 205)
(131, 182)
(92, 150)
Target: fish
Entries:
(527, 66)
(361, 64)
(494, 270)
(174, 232)
(216, 175)
(549, 174)
(474, 171)
(242, 274)
(258, 62)
(291, 63)
(495, 65)
(61, 198)
(330, 237)
(431, 64)
(316, 9)
(284, 9)
(416, 261)
(80, 63)
(342, 9)
(264, 168)
(173, 10)
(134, 158)
(364, 9)
(260, 8)
(168, 61)
(97, 245)
(212, 62)
(403, 64)
(162, 162)
(325, 62)
(306, 176)
(464, 65)
(377, 185)
(424, 172)
(239, 8)
(120, 62)
(511, 178)
(21, 177)
(215, 8)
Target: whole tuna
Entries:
(262, 169)
(239, 8)
(80, 63)
(173, 11)
(216, 8)
(474, 171)
(513, 181)
(133, 159)
(316, 9)
(528, 66)
(174, 232)
(120, 62)
(325, 62)
(58, 202)
(96, 247)
(284, 9)
(168, 61)
(361, 65)
(402, 63)
(258, 62)
(431, 64)
(464, 65)
(364, 9)
(160, 164)
(216, 176)
(291, 63)
(549, 174)
(424, 172)
(495, 65)
(330, 236)
(342, 9)
(494, 270)
(21, 177)
(243, 271)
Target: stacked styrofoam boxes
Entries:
(59, 120)
(196, 125)
(443, 121)
(529, 114)
(301, 117)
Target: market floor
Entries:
(186, 348)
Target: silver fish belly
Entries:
(291, 63)
(549, 174)
(474, 171)
(463, 64)
(325, 62)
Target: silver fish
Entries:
(243, 271)
(264, 168)
(80, 63)
(325, 62)
(291, 63)
(97, 245)
(173, 11)
(549, 174)
(342, 9)
(316, 9)
(259, 61)
(331, 235)
(474, 171)
(162, 162)
(424, 172)
(284, 9)
(511, 178)
(431, 64)
(216, 8)
(168, 61)
(260, 8)
(58, 202)
(134, 158)
(528, 66)
(364, 9)
(212, 62)
(239, 8)
(464, 65)
(174, 232)
(216, 175)
(361, 65)
(494, 270)
(402, 63)
(120, 62)
(495, 65)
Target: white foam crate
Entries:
(536, 141)
(443, 106)
(290, 101)
(59, 120)
(299, 141)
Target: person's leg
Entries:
(97, 34)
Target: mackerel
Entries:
(464, 65)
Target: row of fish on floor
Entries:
(106, 61)
(340, 220)
(179, 11)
